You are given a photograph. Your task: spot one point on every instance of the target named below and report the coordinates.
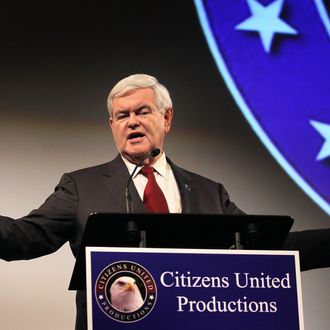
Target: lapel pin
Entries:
(187, 187)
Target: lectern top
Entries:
(198, 231)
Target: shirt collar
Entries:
(160, 165)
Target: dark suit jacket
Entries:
(101, 189)
(62, 217)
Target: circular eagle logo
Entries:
(125, 291)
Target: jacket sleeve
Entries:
(44, 230)
(313, 247)
(228, 207)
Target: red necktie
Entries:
(153, 198)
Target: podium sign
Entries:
(147, 288)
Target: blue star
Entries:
(324, 130)
(266, 21)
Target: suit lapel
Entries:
(185, 185)
(116, 178)
(117, 175)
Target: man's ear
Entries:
(168, 116)
(110, 121)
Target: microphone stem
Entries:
(128, 199)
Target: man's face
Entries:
(137, 125)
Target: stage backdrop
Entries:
(58, 63)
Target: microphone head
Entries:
(155, 152)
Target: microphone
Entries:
(129, 205)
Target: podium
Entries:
(191, 275)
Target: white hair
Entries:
(136, 81)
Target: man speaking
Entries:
(141, 115)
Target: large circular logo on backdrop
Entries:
(125, 291)
(274, 57)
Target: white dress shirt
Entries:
(165, 179)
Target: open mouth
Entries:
(136, 135)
